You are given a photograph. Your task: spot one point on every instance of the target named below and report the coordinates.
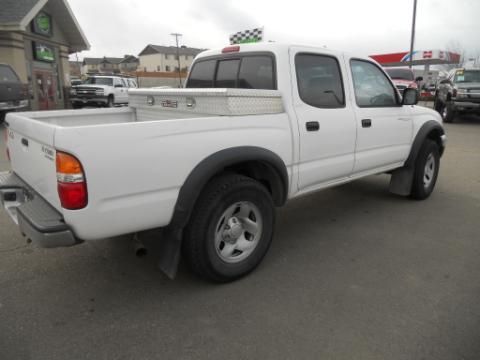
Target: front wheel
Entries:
(230, 229)
(110, 101)
(448, 113)
(425, 175)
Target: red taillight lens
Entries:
(73, 196)
(72, 187)
(230, 49)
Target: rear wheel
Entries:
(230, 229)
(2, 117)
(426, 170)
(77, 105)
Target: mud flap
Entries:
(401, 181)
(169, 249)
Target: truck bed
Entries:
(128, 153)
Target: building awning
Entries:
(19, 14)
(420, 57)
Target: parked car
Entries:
(459, 93)
(13, 94)
(258, 125)
(403, 78)
(101, 90)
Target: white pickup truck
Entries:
(257, 125)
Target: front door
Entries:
(45, 88)
(384, 126)
(326, 125)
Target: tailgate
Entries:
(30, 143)
(11, 92)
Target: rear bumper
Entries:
(11, 105)
(36, 218)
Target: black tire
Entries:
(199, 246)
(2, 117)
(77, 105)
(420, 190)
(448, 112)
(110, 101)
(437, 104)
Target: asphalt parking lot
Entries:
(353, 273)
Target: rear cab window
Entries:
(319, 80)
(241, 71)
(7, 75)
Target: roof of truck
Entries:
(271, 47)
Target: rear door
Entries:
(384, 126)
(326, 124)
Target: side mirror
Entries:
(419, 78)
(410, 96)
(445, 81)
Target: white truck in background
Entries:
(257, 125)
(102, 90)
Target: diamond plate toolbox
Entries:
(228, 102)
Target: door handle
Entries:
(312, 126)
(366, 123)
(403, 118)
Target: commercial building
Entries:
(36, 38)
(164, 58)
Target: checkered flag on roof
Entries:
(247, 36)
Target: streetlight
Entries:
(412, 39)
(177, 35)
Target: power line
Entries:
(177, 35)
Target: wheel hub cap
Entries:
(238, 232)
(429, 171)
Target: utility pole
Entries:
(177, 35)
(412, 39)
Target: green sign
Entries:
(43, 52)
(42, 24)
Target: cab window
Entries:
(371, 85)
(319, 81)
(242, 71)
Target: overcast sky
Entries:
(118, 27)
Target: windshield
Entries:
(467, 76)
(99, 81)
(400, 74)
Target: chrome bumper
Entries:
(35, 217)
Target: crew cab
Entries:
(13, 94)
(459, 93)
(257, 126)
(403, 78)
(101, 90)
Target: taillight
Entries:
(413, 85)
(72, 187)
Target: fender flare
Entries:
(402, 178)
(422, 134)
(213, 164)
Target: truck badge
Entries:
(170, 103)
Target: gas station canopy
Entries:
(420, 57)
